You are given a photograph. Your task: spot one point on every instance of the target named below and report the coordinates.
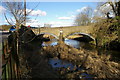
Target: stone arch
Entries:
(83, 34)
(48, 34)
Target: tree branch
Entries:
(7, 19)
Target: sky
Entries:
(58, 14)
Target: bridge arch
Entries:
(51, 34)
(84, 35)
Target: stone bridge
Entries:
(67, 31)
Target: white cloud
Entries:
(33, 23)
(95, 10)
(37, 12)
(37, 23)
(60, 23)
(82, 9)
(33, 20)
(33, 13)
(73, 16)
(55, 22)
(2, 9)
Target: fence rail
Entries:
(10, 68)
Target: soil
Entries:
(99, 66)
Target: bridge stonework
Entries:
(66, 30)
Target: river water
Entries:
(58, 63)
(73, 43)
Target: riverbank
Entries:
(34, 60)
(99, 66)
(86, 62)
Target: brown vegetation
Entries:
(107, 33)
(98, 65)
(5, 27)
(34, 59)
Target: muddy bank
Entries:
(90, 64)
(33, 63)
(37, 65)
(33, 60)
(99, 66)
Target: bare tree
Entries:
(112, 7)
(18, 12)
(25, 11)
(47, 25)
(15, 9)
(81, 19)
(84, 18)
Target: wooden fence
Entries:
(10, 62)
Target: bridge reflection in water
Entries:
(73, 43)
(75, 40)
(81, 37)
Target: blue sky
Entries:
(55, 13)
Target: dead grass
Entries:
(98, 65)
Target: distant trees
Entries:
(47, 25)
(84, 17)
(5, 27)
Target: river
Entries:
(53, 42)
(57, 63)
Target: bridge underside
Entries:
(48, 36)
(82, 37)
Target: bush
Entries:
(108, 31)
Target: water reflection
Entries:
(73, 43)
(57, 63)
